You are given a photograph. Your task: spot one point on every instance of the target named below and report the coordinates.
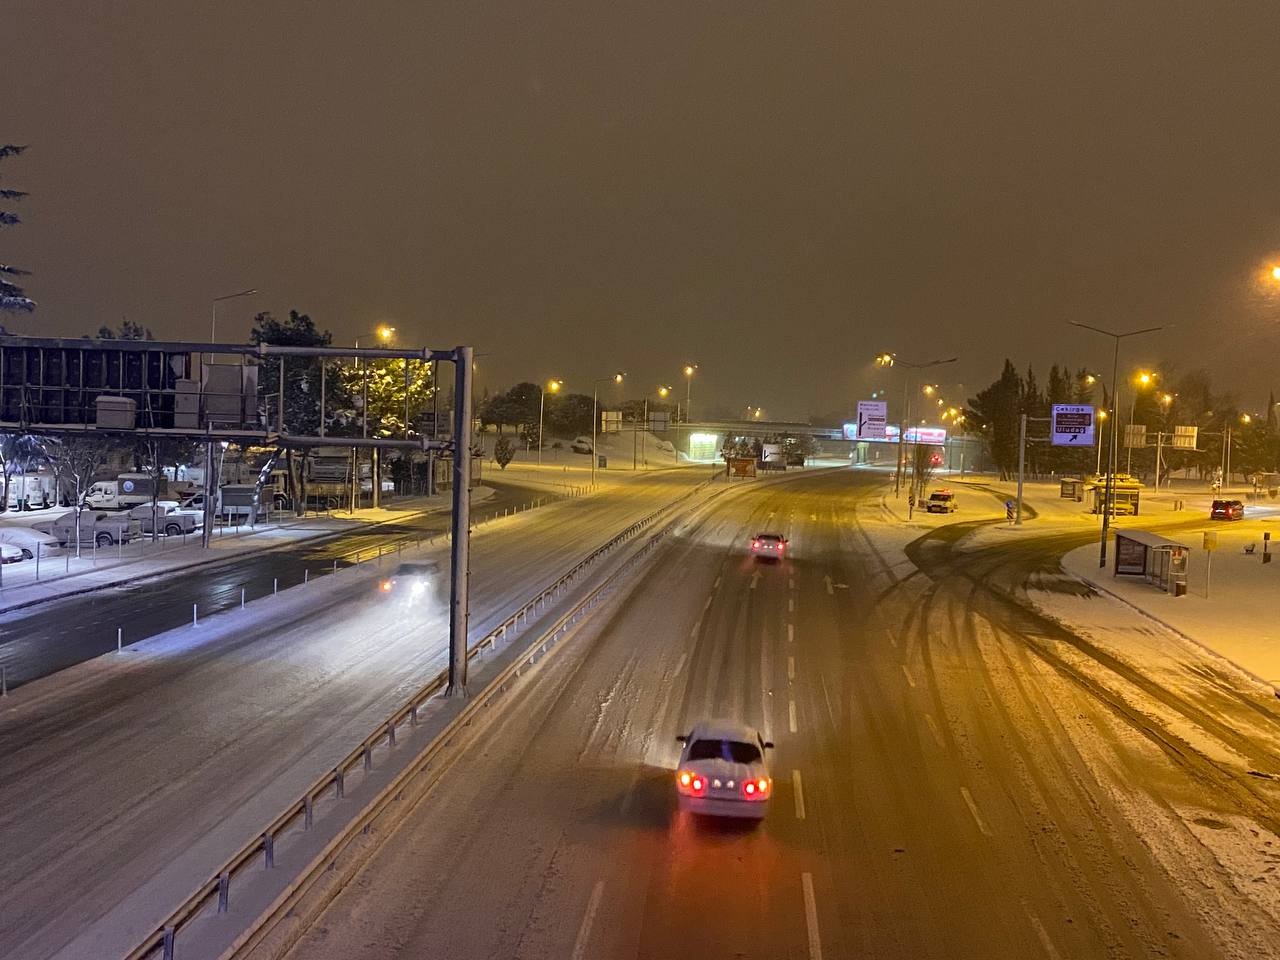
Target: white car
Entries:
(10, 553)
(722, 772)
(581, 445)
(29, 541)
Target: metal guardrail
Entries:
(162, 940)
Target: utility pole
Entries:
(1022, 464)
(460, 560)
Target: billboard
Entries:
(1072, 425)
(933, 435)
(872, 415)
(610, 421)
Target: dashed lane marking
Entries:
(933, 728)
(791, 582)
(910, 679)
(791, 605)
(1043, 934)
(584, 931)
(973, 808)
(717, 583)
(798, 791)
(810, 917)
(697, 624)
(791, 633)
(791, 668)
(791, 715)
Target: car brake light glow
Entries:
(689, 782)
(386, 585)
(757, 789)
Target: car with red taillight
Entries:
(1226, 510)
(722, 771)
(769, 547)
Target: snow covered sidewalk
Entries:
(1230, 607)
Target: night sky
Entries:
(775, 190)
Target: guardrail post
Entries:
(391, 734)
(268, 850)
(335, 564)
(195, 615)
(242, 598)
(169, 933)
(119, 639)
(224, 890)
(368, 758)
(339, 785)
(275, 585)
(306, 576)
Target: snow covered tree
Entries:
(128, 330)
(12, 296)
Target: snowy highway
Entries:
(35, 641)
(127, 779)
(955, 776)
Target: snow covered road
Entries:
(128, 779)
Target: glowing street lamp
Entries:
(689, 370)
(1275, 273)
(554, 386)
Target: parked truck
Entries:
(128, 490)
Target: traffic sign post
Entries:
(872, 417)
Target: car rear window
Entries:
(416, 569)
(734, 751)
(774, 537)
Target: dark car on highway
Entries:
(1226, 510)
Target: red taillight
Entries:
(689, 782)
(757, 789)
(755, 544)
(779, 548)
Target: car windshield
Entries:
(734, 751)
(415, 570)
(773, 537)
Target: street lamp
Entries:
(1102, 416)
(554, 386)
(1111, 453)
(213, 327)
(689, 370)
(1144, 378)
(595, 416)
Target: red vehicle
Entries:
(768, 546)
(1226, 510)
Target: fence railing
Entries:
(162, 941)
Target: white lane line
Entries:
(907, 673)
(798, 790)
(973, 808)
(791, 604)
(717, 583)
(584, 931)
(810, 917)
(696, 626)
(791, 668)
(680, 662)
(707, 606)
(933, 728)
(792, 583)
(791, 715)
(791, 633)
(1043, 934)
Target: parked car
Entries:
(28, 541)
(1226, 510)
(96, 526)
(581, 445)
(170, 519)
(10, 553)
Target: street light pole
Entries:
(1108, 490)
(892, 360)
(595, 418)
(213, 326)
(555, 386)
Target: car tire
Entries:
(104, 540)
(331, 503)
(172, 530)
(27, 554)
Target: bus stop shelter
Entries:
(1160, 561)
